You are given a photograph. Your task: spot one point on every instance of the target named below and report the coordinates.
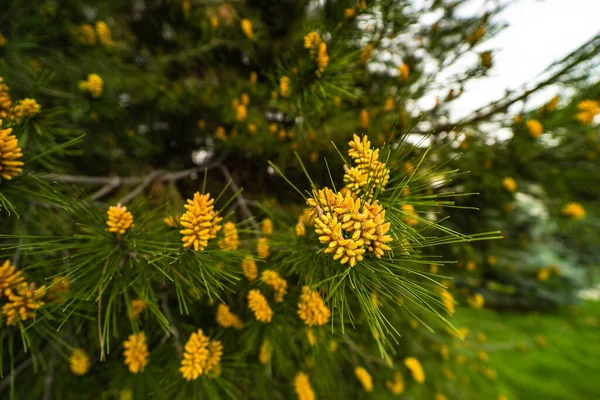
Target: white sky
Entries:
(539, 33)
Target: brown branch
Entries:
(110, 183)
(100, 335)
(240, 199)
(498, 106)
(92, 180)
(120, 180)
(15, 259)
(49, 379)
(106, 189)
(138, 189)
(6, 382)
(172, 328)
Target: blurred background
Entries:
(506, 91)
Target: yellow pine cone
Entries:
(136, 352)
(246, 25)
(231, 241)
(486, 59)
(10, 152)
(588, 109)
(303, 388)
(227, 319)
(369, 174)
(509, 184)
(349, 227)
(201, 222)
(476, 35)
(389, 104)
(312, 309)
(59, 287)
(25, 108)
(5, 101)
(245, 99)
(574, 211)
(364, 378)
(171, 222)
(552, 104)
(262, 247)
(322, 59)
(448, 301)
(366, 53)
(300, 229)
(259, 306)
(22, 303)
(126, 394)
(396, 385)
(201, 357)
(88, 35)
(284, 86)
(278, 284)
(249, 268)
(415, 368)
(476, 301)
(264, 354)
(137, 307)
(364, 119)
(104, 34)
(241, 113)
(93, 85)
(119, 219)
(409, 209)
(10, 278)
(267, 227)
(403, 72)
(312, 41)
(79, 362)
(534, 127)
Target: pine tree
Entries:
(245, 199)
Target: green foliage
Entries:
(184, 97)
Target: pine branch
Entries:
(49, 379)
(110, 183)
(172, 327)
(100, 336)
(366, 356)
(6, 382)
(503, 104)
(241, 200)
(106, 189)
(15, 259)
(147, 181)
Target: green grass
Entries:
(567, 368)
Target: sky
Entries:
(540, 32)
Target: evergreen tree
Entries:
(206, 199)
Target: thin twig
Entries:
(172, 328)
(240, 199)
(498, 106)
(366, 356)
(57, 93)
(106, 189)
(49, 379)
(100, 335)
(4, 383)
(147, 181)
(91, 180)
(15, 259)
(112, 182)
